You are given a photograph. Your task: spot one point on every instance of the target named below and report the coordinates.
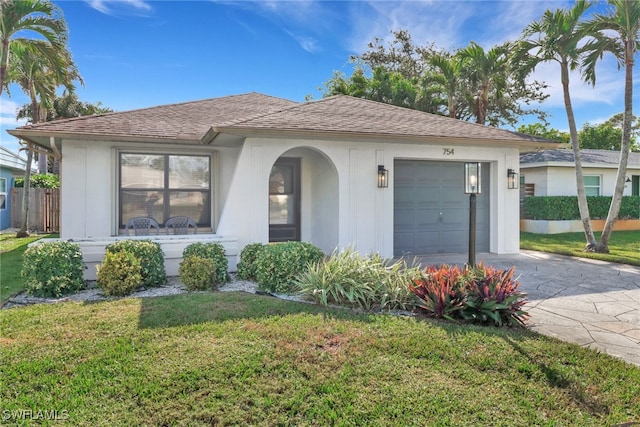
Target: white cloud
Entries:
(107, 6)
(309, 44)
(8, 107)
(449, 24)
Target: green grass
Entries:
(624, 246)
(11, 250)
(243, 359)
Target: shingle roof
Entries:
(346, 114)
(189, 120)
(254, 112)
(588, 157)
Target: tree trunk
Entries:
(625, 148)
(24, 229)
(4, 63)
(583, 207)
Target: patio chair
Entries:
(142, 226)
(180, 225)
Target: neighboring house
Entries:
(255, 168)
(12, 166)
(552, 173)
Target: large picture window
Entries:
(165, 185)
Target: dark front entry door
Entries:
(284, 200)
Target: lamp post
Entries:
(472, 187)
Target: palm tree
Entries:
(618, 33)
(38, 75)
(447, 74)
(555, 37)
(486, 73)
(19, 18)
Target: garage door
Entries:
(431, 211)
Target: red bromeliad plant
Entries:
(493, 297)
(477, 294)
(440, 291)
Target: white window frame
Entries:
(211, 191)
(596, 187)
(3, 192)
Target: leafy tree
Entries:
(446, 76)
(430, 79)
(64, 107)
(37, 65)
(20, 19)
(555, 38)
(618, 33)
(486, 73)
(600, 137)
(542, 130)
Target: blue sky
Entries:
(136, 53)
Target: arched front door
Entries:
(284, 200)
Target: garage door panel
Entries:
(431, 210)
(404, 219)
(403, 195)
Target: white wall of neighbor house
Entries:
(561, 180)
(341, 203)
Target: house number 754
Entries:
(447, 152)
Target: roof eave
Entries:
(31, 135)
(524, 146)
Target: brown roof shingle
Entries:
(189, 120)
(346, 114)
(254, 113)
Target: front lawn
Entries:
(624, 246)
(244, 359)
(11, 250)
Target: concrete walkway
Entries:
(592, 303)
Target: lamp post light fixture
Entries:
(472, 187)
(383, 177)
(512, 179)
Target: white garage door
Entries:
(431, 211)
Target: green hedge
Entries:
(566, 207)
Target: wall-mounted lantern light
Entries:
(627, 180)
(472, 178)
(383, 177)
(512, 179)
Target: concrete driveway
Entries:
(592, 303)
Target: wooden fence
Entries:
(44, 209)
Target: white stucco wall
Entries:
(341, 204)
(561, 180)
(364, 212)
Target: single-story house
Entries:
(12, 166)
(336, 172)
(552, 172)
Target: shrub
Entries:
(347, 278)
(149, 254)
(493, 297)
(214, 252)
(40, 180)
(440, 290)
(279, 263)
(247, 264)
(120, 273)
(198, 273)
(52, 269)
(477, 294)
(566, 207)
